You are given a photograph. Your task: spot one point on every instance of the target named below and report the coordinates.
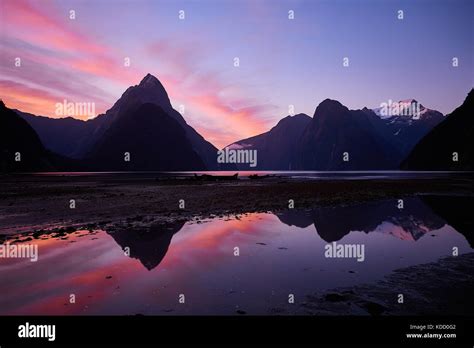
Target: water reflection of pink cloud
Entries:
(199, 262)
(81, 268)
(210, 242)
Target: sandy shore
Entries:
(29, 204)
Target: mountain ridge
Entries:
(79, 144)
(454, 134)
(297, 142)
(275, 147)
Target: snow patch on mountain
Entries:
(409, 108)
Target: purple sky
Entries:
(282, 62)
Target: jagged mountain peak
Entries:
(149, 90)
(150, 81)
(301, 117)
(405, 107)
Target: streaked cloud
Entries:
(283, 62)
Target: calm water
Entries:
(317, 175)
(279, 254)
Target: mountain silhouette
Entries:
(153, 139)
(17, 138)
(85, 140)
(151, 91)
(373, 141)
(335, 130)
(333, 223)
(335, 138)
(64, 136)
(276, 148)
(453, 135)
(406, 130)
(453, 210)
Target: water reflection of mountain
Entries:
(148, 245)
(456, 211)
(333, 223)
(418, 217)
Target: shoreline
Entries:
(436, 288)
(38, 204)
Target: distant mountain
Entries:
(276, 148)
(454, 134)
(154, 140)
(406, 126)
(64, 136)
(373, 140)
(335, 130)
(410, 108)
(17, 138)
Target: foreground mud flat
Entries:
(146, 213)
(29, 204)
(438, 288)
(127, 231)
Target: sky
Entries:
(282, 61)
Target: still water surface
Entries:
(279, 254)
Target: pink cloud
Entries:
(56, 58)
(38, 101)
(39, 26)
(23, 97)
(234, 123)
(218, 109)
(63, 60)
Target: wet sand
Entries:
(438, 288)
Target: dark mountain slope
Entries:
(154, 140)
(335, 130)
(454, 134)
(18, 138)
(276, 149)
